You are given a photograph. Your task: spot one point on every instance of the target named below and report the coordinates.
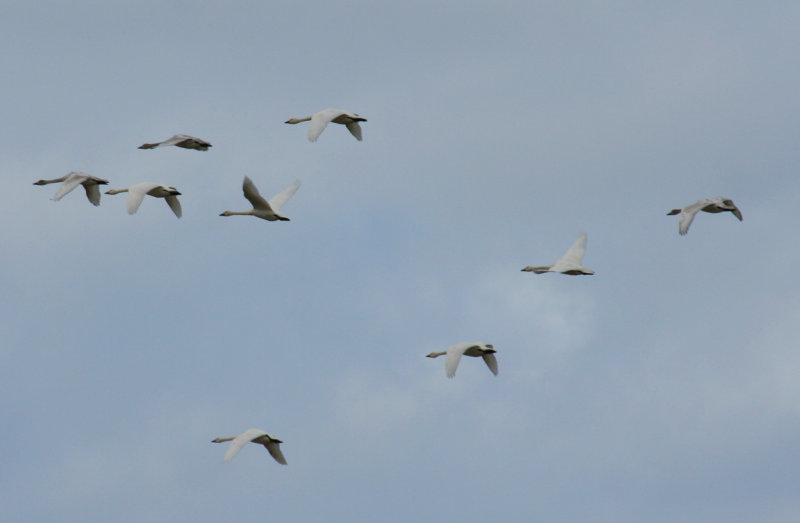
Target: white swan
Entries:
(321, 119)
(485, 350)
(570, 263)
(137, 192)
(267, 210)
(255, 436)
(74, 179)
(180, 140)
(712, 205)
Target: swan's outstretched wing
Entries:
(240, 440)
(451, 361)
(277, 201)
(688, 213)
(573, 258)
(491, 362)
(274, 449)
(736, 212)
(354, 129)
(253, 196)
(73, 180)
(136, 194)
(318, 123)
(93, 193)
(174, 204)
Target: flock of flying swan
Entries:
(571, 263)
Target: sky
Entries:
(663, 388)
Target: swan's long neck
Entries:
(56, 180)
(116, 191)
(238, 213)
(222, 440)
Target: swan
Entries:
(570, 263)
(72, 180)
(485, 350)
(180, 140)
(321, 119)
(268, 210)
(712, 205)
(136, 195)
(256, 436)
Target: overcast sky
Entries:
(666, 387)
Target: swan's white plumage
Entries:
(180, 140)
(710, 205)
(453, 356)
(571, 263)
(137, 192)
(321, 120)
(267, 210)
(255, 436)
(73, 179)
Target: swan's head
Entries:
(433, 354)
(218, 440)
(40, 182)
(225, 213)
(674, 211)
(529, 268)
(293, 120)
(116, 191)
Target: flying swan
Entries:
(484, 350)
(74, 179)
(255, 436)
(712, 205)
(570, 263)
(321, 119)
(137, 192)
(267, 210)
(180, 140)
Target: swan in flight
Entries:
(74, 179)
(137, 192)
(570, 263)
(268, 210)
(256, 436)
(321, 119)
(713, 205)
(484, 350)
(180, 140)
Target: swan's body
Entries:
(74, 179)
(136, 194)
(267, 210)
(712, 205)
(475, 349)
(321, 119)
(571, 263)
(180, 140)
(255, 436)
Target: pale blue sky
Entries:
(663, 388)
